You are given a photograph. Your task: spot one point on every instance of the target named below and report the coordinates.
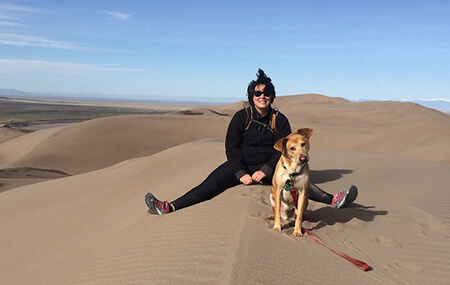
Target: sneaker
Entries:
(155, 206)
(344, 198)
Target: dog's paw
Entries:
(297, 234)
(277, 228)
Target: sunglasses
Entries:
(259, 93)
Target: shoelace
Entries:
(338, 197)
(162, 205)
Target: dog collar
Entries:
(294, 174)
(290, 181)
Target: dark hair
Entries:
(262, 79)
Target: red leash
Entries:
(358, 263)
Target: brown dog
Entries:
(292, 171)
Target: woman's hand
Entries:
(246, 179)
(258, 176)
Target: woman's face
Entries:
(262, 103)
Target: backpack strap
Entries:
(248, 119)
(273, 119)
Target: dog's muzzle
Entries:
(304, 159)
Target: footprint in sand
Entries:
(356, 224)
(262, 215)
(432, 225)
(408, 267)
(387, 241)
(338, 228)
(431, 228)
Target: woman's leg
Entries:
(318, 195)
(218, 181)
(341, 199)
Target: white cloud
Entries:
(26, 40)
(118, 15)
(7, 23)
(10, 12)
(11, 66)
(20, 8)
(6, 17)
(435, 100)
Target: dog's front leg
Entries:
(277, 219)
(302, 205)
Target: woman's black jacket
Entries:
(252, 149)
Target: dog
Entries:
(292, 171)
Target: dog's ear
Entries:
(306, 132)
(280, 145)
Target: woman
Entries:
(251, 157)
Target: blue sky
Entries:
(212, 49)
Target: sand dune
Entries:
(386, 127)
(100, 143)
(93, 227)
(8, 134)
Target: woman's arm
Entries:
(233, 144)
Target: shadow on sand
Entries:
(322, 176)
(327, 216)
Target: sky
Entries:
(211, 50)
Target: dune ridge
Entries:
(386, 127)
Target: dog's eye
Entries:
(292, 148)
(303, 144)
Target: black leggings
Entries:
(223, 178)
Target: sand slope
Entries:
(8, 134)
(93, 227)
(386, 127)
(103, 142)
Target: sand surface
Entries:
(88, 223)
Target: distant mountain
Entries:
(13, 93)
(442, 105)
